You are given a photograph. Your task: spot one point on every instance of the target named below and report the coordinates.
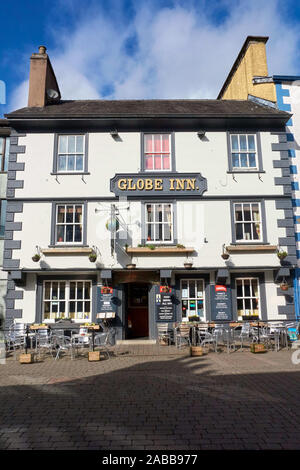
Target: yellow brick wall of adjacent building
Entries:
(253, 64)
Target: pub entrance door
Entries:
(137, 315)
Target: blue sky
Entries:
(121, 49)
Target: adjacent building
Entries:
(155, 210)
(249, 79)
(4, 154)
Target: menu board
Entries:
(107, 302)
(221, 308)
(164, 305)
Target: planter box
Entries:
(94, 356)
(257, 348)
(26, 358)
(163, 342)
(196, 351)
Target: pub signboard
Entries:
(221, 308)
(107, 302)
(164, 305)
(158, 184)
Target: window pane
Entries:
(252, 160)
(149, 162)
(165, 143)
(72, 290)
(78, 214)
(71, 144)
(72, 309)
(167, 213)
(87, 309)
(62, 162)
(184, 289)
(150, 213)
(255, 287)
(79, 144)
(239, 232)
(251, 142)
(234, 142)
(69, 233)
(47, 310)
(158, 213)
(62, 290)
(192, 294)
(247, 230)
(79, 290)
(255, 212)
(200, 309)
(87, 289)
(7, 146)
(54, 291)
(243, 142)
(184, 307)
(238, 212)
(47, 290)
(239, 288)
(157, 162)
(199, 289)
(256, 231)
(157, 143)
(235, 160)
(79, 162)
(60, 233)
(60, 214)
(148, 143)
(167, 232)
(78, 233)
(62, 144)
(166, 162)
(69, 214)
(247, 287)
(247, 213)
(244, 162)
(71, 162)
(3, 205)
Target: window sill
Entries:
(78, 173)
(258, 247)
(66, 250)
(241, 172)
(167, 250)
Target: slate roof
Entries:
(148, 108)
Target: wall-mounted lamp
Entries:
(201, 134)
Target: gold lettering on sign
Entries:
(122, 184)
(190, 184)
(131, 187)
(180, 184)
(148, 184)
(172, 184)
(140, 184)
(158, 185)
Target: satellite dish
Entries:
(52, 94)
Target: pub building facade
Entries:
(146, 210)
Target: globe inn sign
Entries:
(157, 183)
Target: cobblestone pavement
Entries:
(162, 399)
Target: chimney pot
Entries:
(42, 50)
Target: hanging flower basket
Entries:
(36, 258)
(92, 257)
(188, 265)
(282, 254)
(284, 286)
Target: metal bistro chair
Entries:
(81, 339)
(182, 335)
(163, 333)
(17, 337)
(243, 335)
(104, 339)
(61, 342)
(44, 341)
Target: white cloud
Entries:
(181, 52)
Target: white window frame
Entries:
(252, 221)
(57, 224)
(157, 153)
(244, 152)
(70, 154)
(251, 297)
(186, 319)
(159, 223)
(67, 298)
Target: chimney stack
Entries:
(41, 79)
